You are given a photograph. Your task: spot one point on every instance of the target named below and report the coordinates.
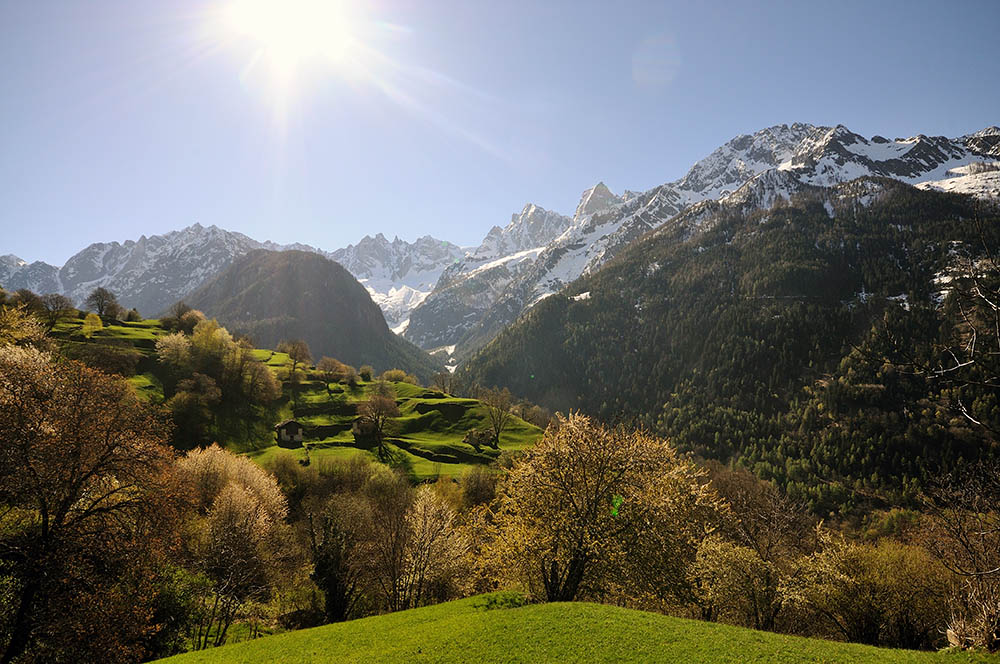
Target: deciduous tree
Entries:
(886, 594)
(444, 381)
(191, 408)
(965, 536)
(435, 556)
(334, 541)
(30, 300)
(499, 404)
(399, 376)
(738, 573)
(298, 353)
(241, 543)
(84, 471)
(56, 307)
(19, 328)
(91, 324)
(333, 370)
(378, 410)
(174, 350)
(593, 511)
(101, 300)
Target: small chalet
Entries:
(290, 433)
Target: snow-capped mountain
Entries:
(398, 274)
(39, 277)
(150, 273)
(153, 272)
(533, 227)
(468, 307)
(472, 284)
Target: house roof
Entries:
(286, 423)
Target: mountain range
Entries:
(483, 293)
(153, 272)
(439, 295)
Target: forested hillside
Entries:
(779, 339)
(296, 294)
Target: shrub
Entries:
(505, 599)
(394, 375)
(91, 324)
(887, 594)
(479, 486)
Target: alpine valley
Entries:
(450, 299)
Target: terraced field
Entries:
(426, 440)
(140, 335)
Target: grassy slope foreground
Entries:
(463, 631)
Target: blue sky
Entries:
(127, 117)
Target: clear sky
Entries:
(326, 121)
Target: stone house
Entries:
(290, 433)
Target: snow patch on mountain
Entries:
(983, 184)
(512, 260)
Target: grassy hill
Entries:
(426, 440)
(465, 631)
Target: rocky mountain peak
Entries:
(740, 159)
(533, 227)
(985, 141)
(596, 199)
(12, 261)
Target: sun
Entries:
(291, 32)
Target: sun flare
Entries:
(291, 32)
